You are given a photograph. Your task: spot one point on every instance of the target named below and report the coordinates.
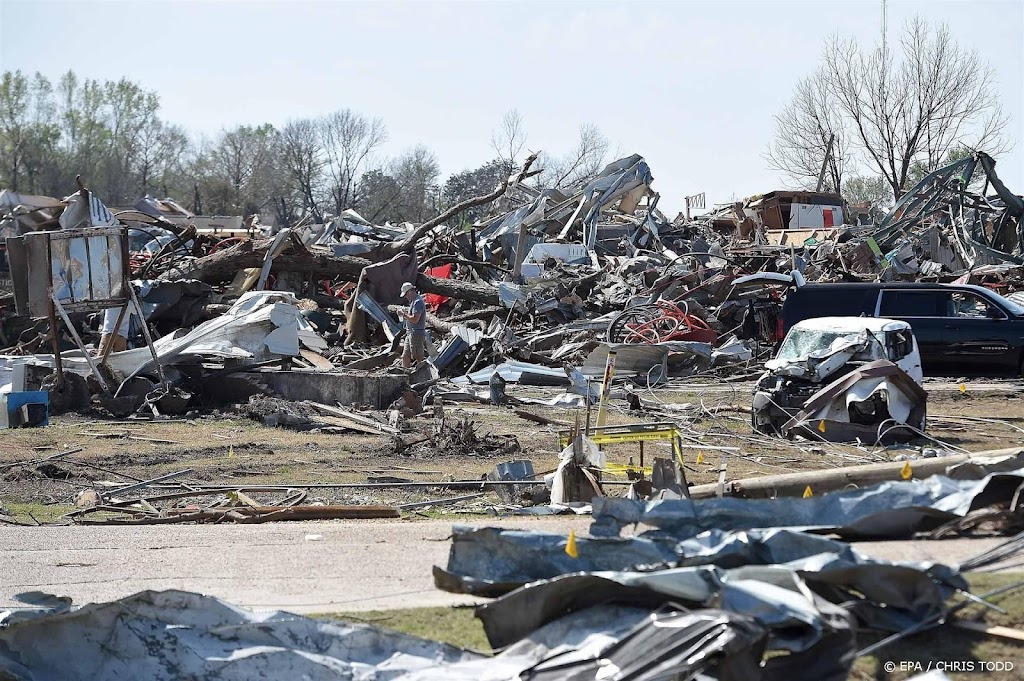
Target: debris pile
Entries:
(459, 437)
(576, 298)
(750, 600)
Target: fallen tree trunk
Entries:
(221, 267)
(794, 484)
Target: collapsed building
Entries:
(541, 292)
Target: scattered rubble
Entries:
(149, 312)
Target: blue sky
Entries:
(692, 86)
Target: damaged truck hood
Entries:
(817, 348)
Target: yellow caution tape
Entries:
(624, 468)
(570, 545)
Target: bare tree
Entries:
(302, 161)
(915, 107)
(508, 140)
(348, 140)
(161, 147)
(803, 131)
(238, 168)
(581, 164)
(417, 173)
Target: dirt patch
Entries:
(223, 448)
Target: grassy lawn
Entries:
(948, 644)
(457, 626)
(33, 512)
(952, 644)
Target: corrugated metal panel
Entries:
(86, 268)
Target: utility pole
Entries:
(885, 26)
(824, 164)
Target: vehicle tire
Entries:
(638, 314)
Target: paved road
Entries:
(354, 565)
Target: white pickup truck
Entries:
(822, 353)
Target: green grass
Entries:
(457, 626)
(26, 512)
(949, 644)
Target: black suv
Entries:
(961, 329)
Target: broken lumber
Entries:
(409, 243)
(222, 265)
(542, 420)
(348, 419)
(989, 630)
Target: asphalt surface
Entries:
(302, 567)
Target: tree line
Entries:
(111, 134)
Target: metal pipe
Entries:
(148, 483)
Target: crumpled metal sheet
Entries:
(889, 510)
(172, 635)
(984, 230)
(830, 407)
(621, 642)
(819, 634)
(674, 644)
(493, 562)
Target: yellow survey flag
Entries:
(906, 472)
(700, 457)
(570, 545)
(821, 425)
(808, 493)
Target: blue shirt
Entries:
(417, 306)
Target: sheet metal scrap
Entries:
(810, 593)
(982, 229)
(194, 636)
(487, 561)
(889, 510)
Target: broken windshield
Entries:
(803, 343)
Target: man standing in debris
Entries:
(415, 326)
